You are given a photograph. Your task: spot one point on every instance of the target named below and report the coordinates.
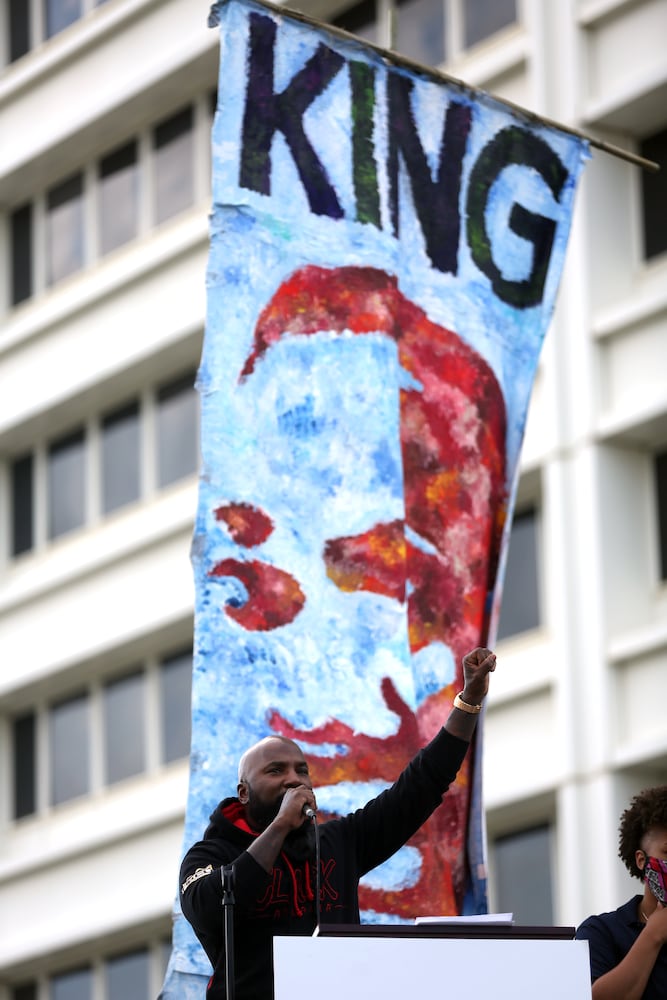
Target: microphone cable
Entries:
(318, 866)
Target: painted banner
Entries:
(385, 251)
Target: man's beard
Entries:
(299, 844)
(260, 812)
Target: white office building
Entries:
(105, 116)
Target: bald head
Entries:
(262, 749)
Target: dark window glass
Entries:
(177, 444)
(522, 863)
(60, 14)
(124, 727)
(118, 198)
(654, 195)
(420, 30)
(164, 954)
(24, 756)
(69, 746)
(173, 153)
(175, 686)
(127, 977)
(72, 986)
(64, 229)
(661, 491)
(22, 487)
(482, 18)
(360, 20)
(26, 991)
(520, 609)
(66, 484)
(21, 238)
(19, 28)
(120, 457)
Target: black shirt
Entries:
(610, 937)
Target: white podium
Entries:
(396, 962)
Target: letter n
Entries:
(436, 201)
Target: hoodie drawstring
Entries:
(295, 886)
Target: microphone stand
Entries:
(228, 905)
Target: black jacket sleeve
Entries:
(385, 823)
(201, 886)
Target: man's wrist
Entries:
(466, 704)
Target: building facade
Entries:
(105, 116)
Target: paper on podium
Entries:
(477, 918)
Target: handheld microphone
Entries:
(307, 811)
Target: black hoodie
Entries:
(281, 902)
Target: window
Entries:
(26, 991)
(64, 229)
(127, 977)
(523, 877)
(174, 185)
(66, 484)
(69, 749)
(483, 18)
(30, 22)
(165, 420)
(175, 687)
(23, 753)
(22, 492)
(127, 740)
(420, 30)
(520, 609)
(134, 975)
(20, 226)
(654, 195)
(360, 20)
(118, 198)
(124, 732)
(59, 14)
(428, 31)
(113, 195)
(164, 957)
(177, 445)
(120, 449)
(19, 28)
(661, 497)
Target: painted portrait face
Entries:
(381, 477)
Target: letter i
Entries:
(364, 172)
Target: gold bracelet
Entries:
(465, 707)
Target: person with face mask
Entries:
(266, 832)
(628, 946)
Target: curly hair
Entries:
(647, 810)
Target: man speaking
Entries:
(266, 833)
